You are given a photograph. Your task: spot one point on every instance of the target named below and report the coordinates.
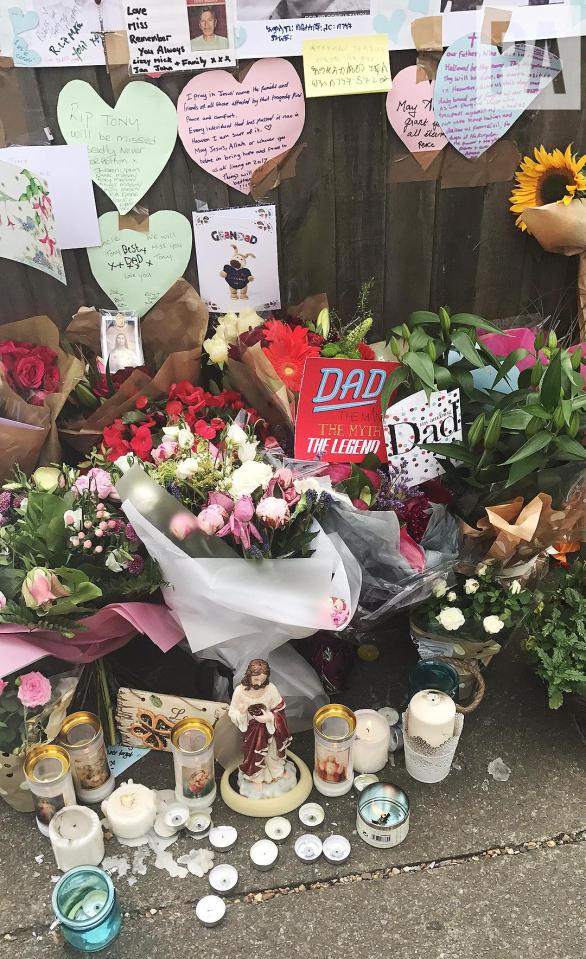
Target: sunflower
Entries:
(551, 178)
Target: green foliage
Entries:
(556, 633)
(344, 338)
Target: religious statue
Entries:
(258, 710)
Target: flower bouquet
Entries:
(73, 572)
(239, 543)
(36, 377)
(172, 333)
(32, 710)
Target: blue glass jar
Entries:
(86, 906)
(433, 674)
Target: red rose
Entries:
(37, 398)
(47, 356)
(51, 379)
(374, 478)
(142, 442)
(10, 348)
(217, 423)
(314, 339)
(366, 351)
(29, 372)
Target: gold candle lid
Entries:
(335, 711)
(79, 719)
(37, 754)
(191, 725)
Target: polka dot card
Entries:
(416, 421)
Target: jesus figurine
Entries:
(258, 710)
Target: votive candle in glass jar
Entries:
(86, 907)
(48, 773)
(334, 728)
(192, 744)
(81, 735)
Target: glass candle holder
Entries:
(81, 735)
(192, 744)
(334, 728)
(434, 674)
(48, 773)
(86, 907)
(382, 817)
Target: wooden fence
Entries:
(341, 221)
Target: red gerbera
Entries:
(288, 351)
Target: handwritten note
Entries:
(291, 24)
(346, 65)
(27, 221)
(136, 269)
(410, 113)
(231, 129)
(50, 34)
(121, 757)
(159, 38)
(479, 92)
(128, 144)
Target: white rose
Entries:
(247, 451)
(228, 327)
(439, 588)
(481, 569)
(452, 596)
(171, 432)
(248, 320)
(249, 477)
(112, 563)
(515, 587)
(186, 468)
(492, 624)
(216, 348)
(185, 438)
(236, 435)
(471, 586)
(451, 618)
(312, 483)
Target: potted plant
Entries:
(556, 636)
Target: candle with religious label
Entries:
(76, 837)
(131, 810)
(81, 735)
(432, 715)
(334, 727)
(48, 773)
(371, 747)
(192, 744)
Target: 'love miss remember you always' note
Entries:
(346, 65)
(165, 36)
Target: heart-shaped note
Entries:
(410, 113)
(128, 144)
(479, 92)
(136, 269)
(231, 128)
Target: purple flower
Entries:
(131, 534)
(18, 498)
(5, 501)
(136, 565)
(4, 521)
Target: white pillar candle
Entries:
(76, 837)
(370, 752)
(431, 717)
(131, 810)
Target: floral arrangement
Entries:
(30, 369)
(552, 177)
(66, 549)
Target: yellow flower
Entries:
(551, 178)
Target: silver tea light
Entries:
(383, 815)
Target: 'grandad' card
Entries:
(339, 417)
(415, 421)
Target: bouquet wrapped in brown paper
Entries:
(28, 432)
(172, 335)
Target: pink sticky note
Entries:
(232, 128)
(410, 113)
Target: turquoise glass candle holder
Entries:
(86, 907)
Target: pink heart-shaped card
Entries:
(231, 128)
(410, 113)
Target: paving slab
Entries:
(469, 812)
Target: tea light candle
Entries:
(76, 837)
(131, 810)
(391, 715)
(364, 780)
(278, 828)
(336, 849)
(199, 824)
(223, 878)
(370, 752)
(312, 815)
(264, 854)
(210, 910)
(223, 838)
(308, 848)
(431, 717)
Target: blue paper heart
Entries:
(239, 37)
(22, 22)
(22, 54)
(391, 25)
(419, 6)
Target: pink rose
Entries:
(3, 600)
(41, 587)
(183, 525)
(274, 512)
(373, 476)
(211, 519)
(339, 612)
(338, 472)
(3, 685)
(244, 509)
(165, 451)
(360, 504)
(34, 689)
(221, 499)
(97, 481)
